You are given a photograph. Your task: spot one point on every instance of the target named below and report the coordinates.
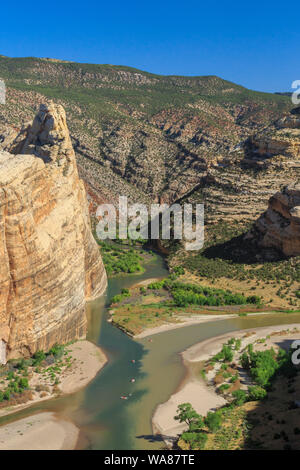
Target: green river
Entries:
(106, 421)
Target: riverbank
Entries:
(43, 431)
(153, 306)
(85, 361)
(204, 350)
(98, 410)
(183, 321)
(196, 391)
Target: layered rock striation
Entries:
(50, 262)
(279, 143)
(237, 186)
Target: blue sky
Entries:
(254, 44)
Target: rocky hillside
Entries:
(238, 187)
(151, 137)
(50, 262)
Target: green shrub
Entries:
(23, 383)
(57, 350)
(223, 388)
(10, 375)
(119, 297)
(254, 299)
(245, 362)
(213, 421)
(157, 285)
(227, 353)
(257, 393)
(263, 366)
(196, 440)
(38, 357)
(179, 270)
(240, 397)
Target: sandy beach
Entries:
(89, 359)
(194, 390)
(42, 431)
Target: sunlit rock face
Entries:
(50, 262)
(279, 226)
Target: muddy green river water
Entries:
(106, 421)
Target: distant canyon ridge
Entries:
(153, 138)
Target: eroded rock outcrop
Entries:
(50, 262)
(278, 144)
(279, 226)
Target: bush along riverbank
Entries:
(119, 258)
(166, 301)
(63, 369)
(262, 388)
(15, 375)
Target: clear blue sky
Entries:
(253, 43)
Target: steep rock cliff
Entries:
(50, 263)
(279, 226)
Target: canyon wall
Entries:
(278, 147)
(50, 262)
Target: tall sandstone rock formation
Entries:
(279, 226)
(50, 262)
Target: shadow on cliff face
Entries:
(239, 250)
(274, 422)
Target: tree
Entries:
(187, 414)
